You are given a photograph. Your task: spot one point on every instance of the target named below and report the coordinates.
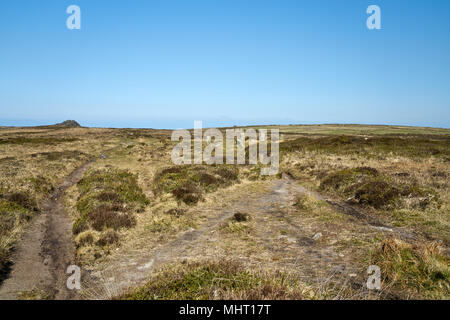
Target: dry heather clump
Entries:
(108, 201)
(241, 217)
(110, 216)
(85, 238)
(377, 194)
(369, 187)
(23, 199)
(215, 280)
(420, 270)
(176, 212)
(189, 183)
(108, 237)
(371, 146)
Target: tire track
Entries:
(46, 249)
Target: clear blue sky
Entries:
(166, 63)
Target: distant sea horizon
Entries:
(189, 124)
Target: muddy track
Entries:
(46, 249)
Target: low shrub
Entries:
(189, 183)
(107, 216)
(108, 237)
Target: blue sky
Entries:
(166, 63)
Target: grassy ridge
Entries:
(215, 280)
(108, 200)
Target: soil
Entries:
(42, 256)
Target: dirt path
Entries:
(126, 271)
(45, 250)
(132, 269)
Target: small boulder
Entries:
(317, 236)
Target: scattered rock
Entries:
(383, 228)
(291, 240)
(317, 236)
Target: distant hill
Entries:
(69, 124)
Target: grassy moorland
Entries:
(346, 197)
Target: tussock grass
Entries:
(12, 215)
(420, 271)
(215, 280)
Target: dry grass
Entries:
(415, 271)
(216, 281)
(406, 191)
(131, 202)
